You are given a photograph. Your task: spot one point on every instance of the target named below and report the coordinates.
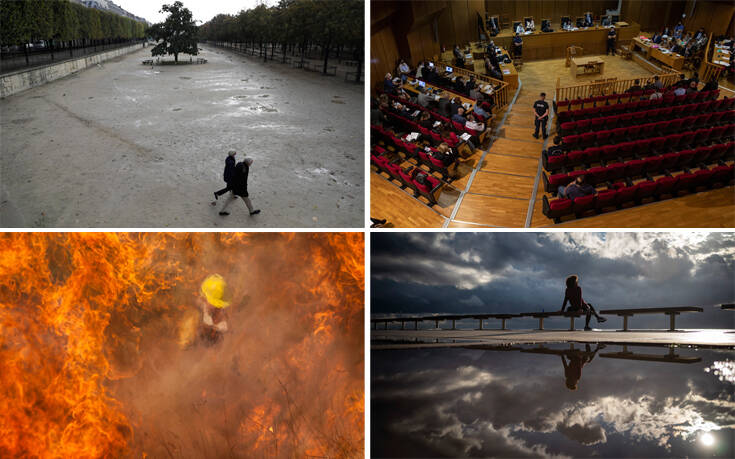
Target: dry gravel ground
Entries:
(127, 145)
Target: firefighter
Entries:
(213, 300)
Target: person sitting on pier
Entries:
(573, 295)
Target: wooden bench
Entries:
(671, 312)
(542, 315)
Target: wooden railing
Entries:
(501, 88)
(709, 70)
(608, 86)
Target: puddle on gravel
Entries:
(262, 108)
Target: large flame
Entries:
(100, 356)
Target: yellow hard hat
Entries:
(213, 289)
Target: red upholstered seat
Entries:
(722, 175)
(685, 181)
(609, 152)
(625, 194)
(702, 178)
(576, 157)
(686, 158)
(596, 175)
(556, 162)
(652, 164)
(669, 161)
(634, 168)
(583, 204)
(605, 199)
(583, 126)
(665, 186)
(645, 190)
(615, 171)
(557, 208)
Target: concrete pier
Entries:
(444, 338)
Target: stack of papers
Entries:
(437, 123)
(465, 136)
(412, 136)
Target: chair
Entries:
(687, 158)
(572, 52)
(722, 175)
(669, 161)
(645, 190)
(555, 163)
(605, 199)
(583, 204)
(587, 138)
(615, 171)
(665, 186)
(625, 194)
(577, 157)
(553, 182)
(556, 208)
(596, 175)
(608, 153)
(634, 168)
(427, 190)
(652, 164)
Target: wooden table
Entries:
(721, 55)
(645, 47)
(465, 100)
(589, 64)
(673, 60)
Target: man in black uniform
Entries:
(542, 115)
(611, 36)
(240, 187)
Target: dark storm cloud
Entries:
(512, 272)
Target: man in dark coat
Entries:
(240, 187)
(229, 169)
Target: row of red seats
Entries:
(410, 151)
(411, 126)
(625, 134)
(634, 149)
(438, 117)
(652, 165)
(621, 193)
(629, 107)
(617, 98)
(407, 177)
(656, 114)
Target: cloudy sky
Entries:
(203, 10)
(520, 272)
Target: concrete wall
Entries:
(13, 83)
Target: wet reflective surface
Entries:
(556, 400)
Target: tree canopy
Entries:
(293, 23)
(177, 34)
(25, 21)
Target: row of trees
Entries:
(334, 27)
(60, 21)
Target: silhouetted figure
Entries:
(573, 295)
(576, 360)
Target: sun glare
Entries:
(707, 439)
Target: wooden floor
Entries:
(501, 187)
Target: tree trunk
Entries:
(51, 47)
(176, 58)
(25, 51)
(326, 55)
(357, 71)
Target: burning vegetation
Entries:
(102, 352)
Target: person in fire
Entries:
(213, 301)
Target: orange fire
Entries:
(100, 352)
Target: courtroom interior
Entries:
(635, 127)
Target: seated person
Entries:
(566, 23)
(404, 70)
(424, 99)
(711, 85)
(588, 19)
(403, 95)
(460, 86)
(454, 105)
(471, 84)
(388, 85)
(530, 25)
(445, 106)
(420, 70)
(425, 120)
(447, 135)
(458, 56)
(556, 149)
(445, 154)
(482, 112)
(692, 87)
(576, 189)
(546, 27)
(656, 95)
(475, 125)
(656, 38)
(636, 87)
(700, 34)
(658, 83)
(678, 30)
(519, 29)
(680, 91)
(459, 116)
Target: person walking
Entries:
(541, 107)
(227, 176)
(240, 187)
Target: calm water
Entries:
(530, 401)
